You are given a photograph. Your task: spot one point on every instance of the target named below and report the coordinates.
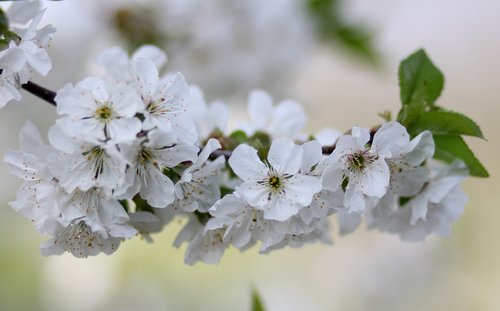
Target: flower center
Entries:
(146, 156)
(97, 155)
(360, 160)
(155, 107)
(275, 182)
(104, 113)
(94, 153)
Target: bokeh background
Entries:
(343, 78)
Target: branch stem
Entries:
(41, 92)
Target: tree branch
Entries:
(227, 153)
(41, 92)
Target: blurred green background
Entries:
(362, 271)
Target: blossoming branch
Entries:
(132, 150)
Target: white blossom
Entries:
(78, 239)
(99, 111)
(85, 165)
(101, 213)
(244, 225)
(199, 186)
(277, 187)
(432, 211)
(116, 61)
(207, 117)
(286, 120)
(364, 167)
(26, 51)
(163, 101)
(37, 197)
(148, 158)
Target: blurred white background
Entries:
(363, 271)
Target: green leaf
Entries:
(331, 26)
(410, 113)
(239, 136)
(257, 304)
(417, 73)
(451, 147)
(225, 191)
(262, 142)
(4, 23)
(446, 123)
(11, 36)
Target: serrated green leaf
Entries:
(446, 123)
(410, 113)
(417, 72)
(257, 304)
(451, 147)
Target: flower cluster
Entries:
(133, 149)
(23, 49)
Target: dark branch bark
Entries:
(227, 153)
(41, 92)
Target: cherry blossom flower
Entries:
(163, 101)
(364, 167)
(276, 187)
(286, 120)
(433, 210)
(99, 111)
(149, 158)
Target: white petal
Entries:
(260, 108)
(177, 154)
(74, 102)
(354, 200)
(212, 145)
(21, 12)
(8, 92)
(36, 57)
(311, 155)
(246, 164)
(12, 59)
(418, 206)
(391, 138)
(31, 139)
(280, 209)
(328, 136)
(152, 53)
(254, 194)
(409, 182)
(421, 148)
(284, 156)
(300, 189)
(115, 61)
(361, 136)
(218, 115)
(125, 100)
(332, 177)
(147, 78)
(62, 141)
(288, 119)
(158, 189)
(374, 179)
(346, 144)
(95, 87)
(124, 130)
(348, 222)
